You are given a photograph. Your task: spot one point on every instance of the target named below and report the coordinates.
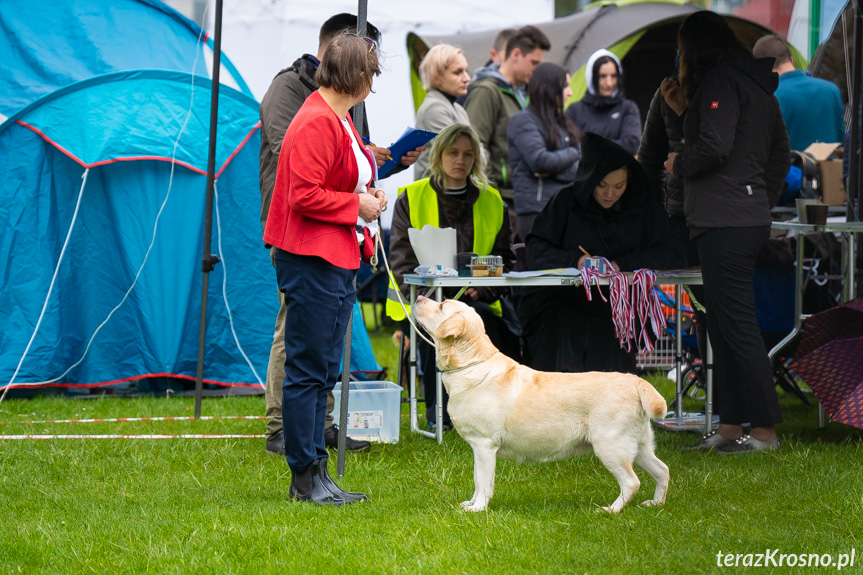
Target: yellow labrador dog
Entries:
(504, 409)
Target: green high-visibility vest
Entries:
(487, 221)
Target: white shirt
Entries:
(365, 174)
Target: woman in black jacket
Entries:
(609, 211)
(733, 163)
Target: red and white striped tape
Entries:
(125, 436)
(116, 419)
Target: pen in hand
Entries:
(387, 156)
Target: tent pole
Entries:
(209, 260)
(357, 113)
(856, 102)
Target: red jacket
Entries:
(314, 207)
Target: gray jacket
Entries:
(435, 114)
(528, 155)
(280, 104)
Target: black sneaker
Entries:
(709, 442)
(748, 444)
(276, 443)
(331, 439)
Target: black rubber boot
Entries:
(307, 486)
(348, 496)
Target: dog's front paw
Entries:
(471, 506)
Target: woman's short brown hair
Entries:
(349, 64)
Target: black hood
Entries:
(760, 70)
(599, 157)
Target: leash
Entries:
(373, 261)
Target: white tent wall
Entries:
(800, 28)
(263, 36)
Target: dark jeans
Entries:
(319, 299)
(744, 390)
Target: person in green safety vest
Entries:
(458, 196)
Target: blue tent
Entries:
(94, 211)
(47, 44)
(102, 158)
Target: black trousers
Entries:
(744, 391)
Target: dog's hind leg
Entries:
(484, 463)
(619, 463)
(654, 466)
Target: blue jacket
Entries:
(528, 155)
(812, 109)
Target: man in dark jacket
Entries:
(493, 100)
(609, 211)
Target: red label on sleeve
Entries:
(714, 104)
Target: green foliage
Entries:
(221, 506)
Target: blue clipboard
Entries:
(410, 140)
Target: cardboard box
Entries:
(830, 184)
(374, 410)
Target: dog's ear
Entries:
(452, 326)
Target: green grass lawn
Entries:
(221, 506)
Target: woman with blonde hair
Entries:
(456, 195)
(443, 72)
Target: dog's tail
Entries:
(652, 402)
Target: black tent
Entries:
(642, 34)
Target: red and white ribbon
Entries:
(646, 302)
(626, 302)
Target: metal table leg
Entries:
(798, 304)
(708, 390)
(412, 384)
(678, 357)
(438, 386)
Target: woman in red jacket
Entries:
(323, 185)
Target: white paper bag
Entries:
(434, 246)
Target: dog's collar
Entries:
(463, 367)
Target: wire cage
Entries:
(663, 353)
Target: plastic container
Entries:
(374, 410)
(486, 266)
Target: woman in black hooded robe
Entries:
(610, 212)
